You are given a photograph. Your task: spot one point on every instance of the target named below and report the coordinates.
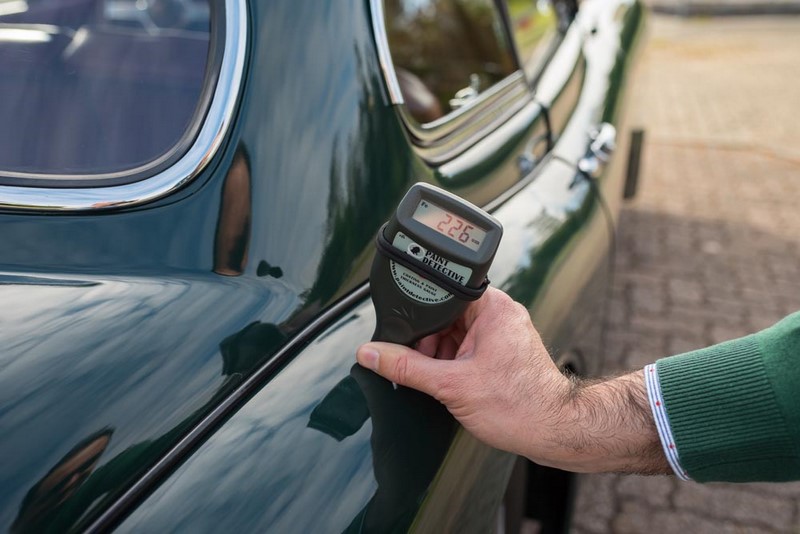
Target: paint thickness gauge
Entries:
(433, 256)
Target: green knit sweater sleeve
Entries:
(734, 408)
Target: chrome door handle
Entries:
(603, 143)
(467, 94)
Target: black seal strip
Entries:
(386, 249)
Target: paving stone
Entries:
(647, 323)
(726, 307)
(638, 518)
(648, 298)
(678, 344)
(760, 318)
(630, 349)
(728, 501)
(695, 320)
(721, 287)
(617, 314)
(723, 332)
(596, 502)
(653, 490)
(789, 489)
(790, 307)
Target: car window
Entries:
(94, 87)
(535, 26)
(445, 53)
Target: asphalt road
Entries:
(710, 247)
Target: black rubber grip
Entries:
(388, 250)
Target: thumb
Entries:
(402, 365)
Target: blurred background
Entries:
(710, 246)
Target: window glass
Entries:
(445, 52)
(98, 86)
(535, 27)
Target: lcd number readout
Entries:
(449, 224)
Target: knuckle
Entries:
(520, 310)
(450, 386)
(498, 296)
(514, 313)
(400, 371)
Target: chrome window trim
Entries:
(482, 119)
(384, 55)
(463, 117)
(214, 128)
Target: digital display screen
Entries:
(449, 224)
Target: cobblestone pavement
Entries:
(710, 247)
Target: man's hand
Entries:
(495, 376)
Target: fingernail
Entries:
(368, 357)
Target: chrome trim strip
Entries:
(429, 134)
(217, 122)
(482, 119)
(384, 55)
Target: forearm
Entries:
(494, 374)
(607, 425)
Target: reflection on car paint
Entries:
(402, 435)
(232, 238)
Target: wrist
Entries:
(606, 426)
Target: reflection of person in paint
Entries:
(62, 498)
(76, 485)
(45, 500)
(233, 229)
(410, 436)
(232, 238)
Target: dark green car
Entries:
(189, 195)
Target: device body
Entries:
(433, 257)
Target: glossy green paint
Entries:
(120, 324)
(329, 436)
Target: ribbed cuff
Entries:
(722, 411)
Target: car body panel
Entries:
(122, 322)
(552, 258)
(415, 467)
(560, 85)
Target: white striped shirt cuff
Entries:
(662, 421)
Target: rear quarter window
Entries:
(93, 88)
(446, 53)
